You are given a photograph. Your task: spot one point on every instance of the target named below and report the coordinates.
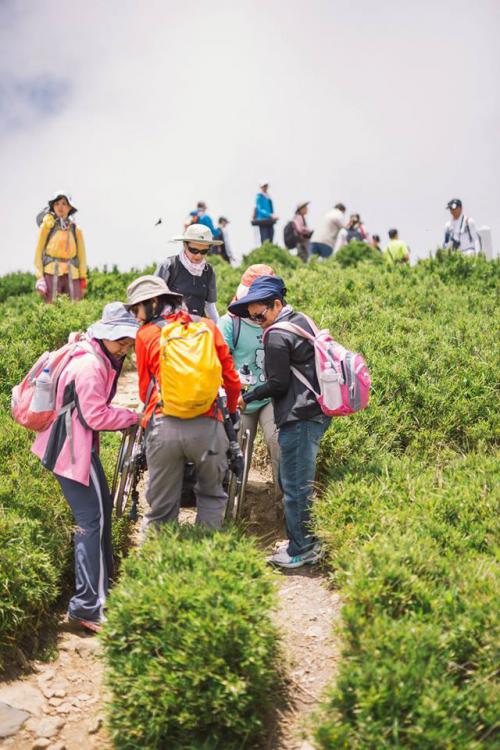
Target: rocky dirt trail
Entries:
(59, 705)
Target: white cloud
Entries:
(390, 107)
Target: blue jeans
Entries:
(299, 445)
(266, 233)
(321, 249)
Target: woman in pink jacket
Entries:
(70, 449)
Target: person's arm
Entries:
(211, 311)
(231, 379)
(147, 354)
(163, 270)
(81, 254)
(90, 386)
(277, 354)
(47, 225)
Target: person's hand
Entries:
(235, 419)
(41, 286)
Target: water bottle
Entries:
(42, 398)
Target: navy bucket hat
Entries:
(263, 288)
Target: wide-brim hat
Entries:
(147, 287)
(263, 183)
(264, 288)
(197, 233)
(116, 323)
(302, 205)
(63, 194)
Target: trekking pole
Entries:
(130, 465)
(238, 461)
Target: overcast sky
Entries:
(140, 109)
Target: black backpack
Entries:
(290, 236)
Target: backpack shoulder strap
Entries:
(236, 323)
(291, 328)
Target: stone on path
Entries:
(23, 696)
(41, 743)
(11, 719)
(47, 727)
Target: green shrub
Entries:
(356, 252)
(190, 649)
(280, 259)
(421, 651)
(14, 284)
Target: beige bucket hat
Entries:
(197, 233)
(147, 287)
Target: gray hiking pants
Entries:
(92, 507)
(264, 417)
(170, 442)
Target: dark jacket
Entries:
(197, 290)
(292, 401)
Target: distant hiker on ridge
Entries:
(325, 237)
(461, 231)
(60, 260)
(200, 216)
(264, 216)
(397, 251)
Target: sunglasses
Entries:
(260, 317)
(195, 250)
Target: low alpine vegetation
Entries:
(190, 650)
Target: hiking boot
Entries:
(282, 559)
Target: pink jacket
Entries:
(93, 377)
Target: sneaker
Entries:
(90, 626)
(282, 559)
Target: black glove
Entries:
(235, 419)
(236, 460)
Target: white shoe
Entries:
(282, 559)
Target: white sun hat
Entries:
(197, 233)
(262, 183)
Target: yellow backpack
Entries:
(190, 370)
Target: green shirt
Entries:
(396, 251)
(249, 351)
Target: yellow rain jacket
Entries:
(61, 252)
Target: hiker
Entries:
(264, 216)
(302, 231)
(224, 250)
(396, 252)
(324, 239)
(181, 365)
(461, 231)
(60, 260)
(244, 339)
(189, 274)
(299, 418)
(355, 229)
(200, 216)
(70, 449)
(375, 243)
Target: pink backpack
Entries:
(38, 389)
(343, 377)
